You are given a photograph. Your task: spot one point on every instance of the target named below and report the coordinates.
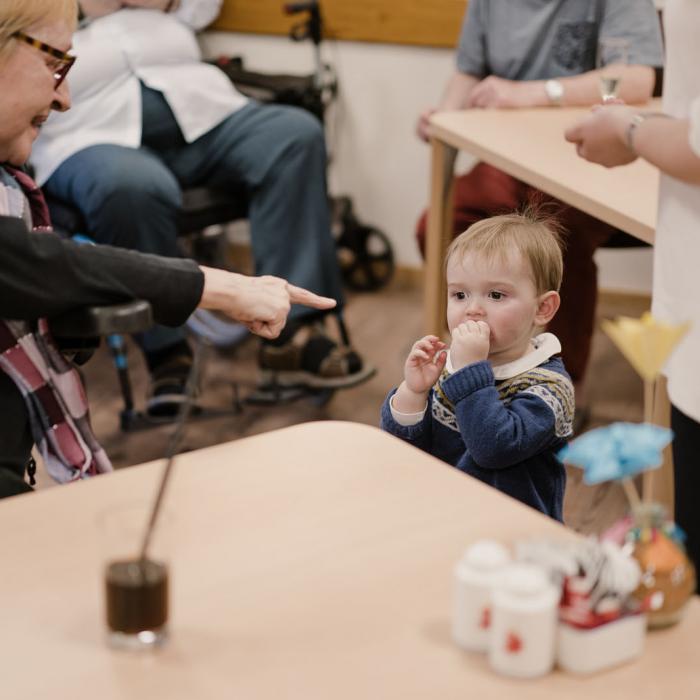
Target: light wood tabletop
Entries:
(312, 562)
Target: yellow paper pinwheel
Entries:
(645, 342)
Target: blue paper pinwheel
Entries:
(617, 451)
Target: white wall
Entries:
(625, 269)
(377, 159)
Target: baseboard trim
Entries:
(408, 277)
(620, 302)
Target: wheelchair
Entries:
(365, 255)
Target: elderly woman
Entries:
(41, 400)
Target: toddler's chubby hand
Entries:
(470, 343)
(424, 364)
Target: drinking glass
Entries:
(613, 53)
(135, 589)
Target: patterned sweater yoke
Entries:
(554, 388)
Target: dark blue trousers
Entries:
(130, 197)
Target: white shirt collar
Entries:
(543, 346)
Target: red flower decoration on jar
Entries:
(513, 643)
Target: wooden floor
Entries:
(383, 325)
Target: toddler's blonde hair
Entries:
(536, 238)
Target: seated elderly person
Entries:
(149, 118)
(41, 398)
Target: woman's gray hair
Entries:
(19, 15)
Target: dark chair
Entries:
(365, 258)
(77, 330)
(202, 208)
(78, 333)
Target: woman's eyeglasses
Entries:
(62, 62)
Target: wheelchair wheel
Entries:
(366, 258)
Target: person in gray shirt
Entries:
(531, 53)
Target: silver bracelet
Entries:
(636, 120)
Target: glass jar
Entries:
(476, 574)
(524, 622)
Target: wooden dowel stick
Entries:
(175, 439)
(631, 493)
(648, 476)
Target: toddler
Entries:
(497, 403)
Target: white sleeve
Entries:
(405, 419)
(198, 13)
(695, 126)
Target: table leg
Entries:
(439, 234)
(663, 476)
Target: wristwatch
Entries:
(555, 91)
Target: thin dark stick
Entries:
(173, 444)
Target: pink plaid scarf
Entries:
(50, 385)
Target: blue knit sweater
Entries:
(504, 432)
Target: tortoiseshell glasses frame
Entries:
(63, 61)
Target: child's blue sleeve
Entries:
(418, 435)
(499, 432)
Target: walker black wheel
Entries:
(366, 257)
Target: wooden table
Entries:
(313, 562)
